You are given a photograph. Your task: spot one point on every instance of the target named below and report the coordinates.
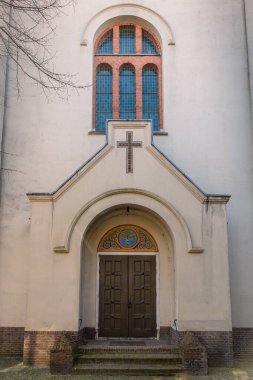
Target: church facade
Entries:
(127, 212)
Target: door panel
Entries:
(113, 296)
(142, 296)
(127, 296)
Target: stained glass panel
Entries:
(127, 40)
(127, 93)
(127, 238)
(150, 97)
(106, 45)
(148, 46)
(103, 96)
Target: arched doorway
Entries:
(127, 287)
(127, 257)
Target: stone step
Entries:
(121, 369)
(100, 349)
(116, 357)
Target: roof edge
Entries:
(207, 198)
(196, 190)
(51, 195)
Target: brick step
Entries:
(116, 357)
(121, 369)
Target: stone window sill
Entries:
(156, 133)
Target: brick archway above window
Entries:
(120, 46)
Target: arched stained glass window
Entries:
(127, 93)
(148, 46)
(106, 44)
(150, 95)
(127, 40)
(128, 86)
(103, 96)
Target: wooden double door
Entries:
(127, 296)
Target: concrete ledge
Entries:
(99, 133)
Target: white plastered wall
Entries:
(210, 134)
(249, 29)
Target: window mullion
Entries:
(139, 113)
(115, 84)
(138, 39)
(116, 39)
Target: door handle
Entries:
(129, 305)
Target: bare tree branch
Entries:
(26, 28)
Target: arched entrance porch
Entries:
(127, 292)
(61, 223)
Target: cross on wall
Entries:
(129, 144)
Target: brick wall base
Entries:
(165, 332)
(35, 346)
(11, 341)
(194, 355)
(218, 344)
(243, 343)
(86, 333)
(38, 344)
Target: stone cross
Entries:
(129, 144)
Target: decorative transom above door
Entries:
(127, 237)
